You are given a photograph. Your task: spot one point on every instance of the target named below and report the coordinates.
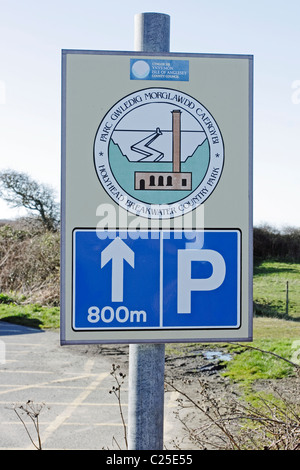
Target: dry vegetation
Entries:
(226, 422)
(271, 243)
(29, 262)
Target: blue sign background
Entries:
(157, 69)
(151, 286)
(216, 308)
(93, 285)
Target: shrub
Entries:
(270, 243)
(30, 259)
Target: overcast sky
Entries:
(33, 33)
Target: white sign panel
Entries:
(156, 197)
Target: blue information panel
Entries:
(158, 69)
(156, 280)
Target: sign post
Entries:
(147, 361)
(156, 234)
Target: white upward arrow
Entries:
(117, 251)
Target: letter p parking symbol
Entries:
(187, 284)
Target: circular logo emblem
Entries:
(158, 153)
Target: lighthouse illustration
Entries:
(173, 180)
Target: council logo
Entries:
(158, 153)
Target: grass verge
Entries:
(270, 280)
(253, 364)
(33, 315)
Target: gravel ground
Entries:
(197, 396)
(204, 396)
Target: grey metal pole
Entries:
(147, 361)
(287, 299)
(152, 32)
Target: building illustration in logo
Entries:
(158, 153)
(166, 180)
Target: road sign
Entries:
(160, 281)
(156, 197)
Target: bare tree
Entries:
(20, 190)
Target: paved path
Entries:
(79, 413)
